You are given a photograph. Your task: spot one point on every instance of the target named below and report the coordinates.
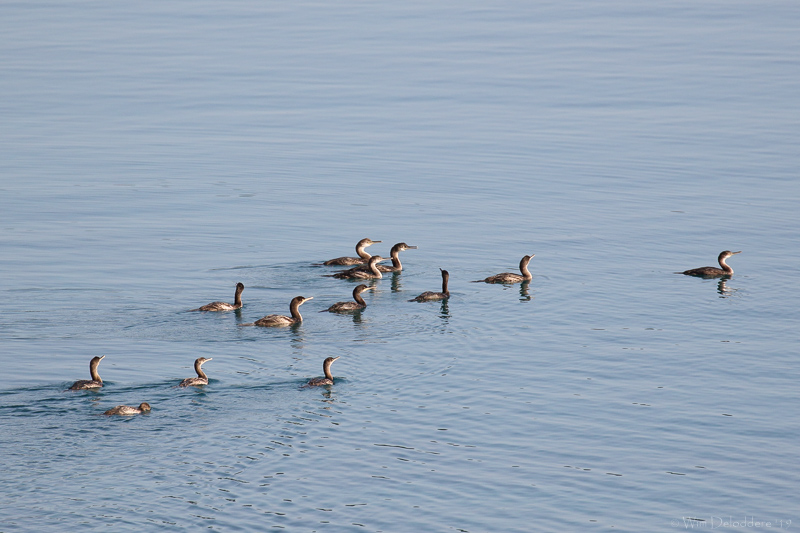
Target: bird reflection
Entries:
(444, 310)
(298, 339)
(356, 315)
(723, 289)
(328, 395)
(396, 279)
(524, 295)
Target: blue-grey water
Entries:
(154, 154)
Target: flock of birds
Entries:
(364, 266)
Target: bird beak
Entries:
(309, 298)
(102, 357)
(734, 253)
(412, 247)
(210, 359)
(375, 242)
(335, 358)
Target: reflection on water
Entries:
(356, 316)
(297, 340)
(723, 289)
(444, 309)
(328, 394)
(397, 281)
(524, 293)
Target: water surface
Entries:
(152, 156)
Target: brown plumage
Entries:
(362, 258)
(201, 378)
(144, 407)
(223, 306)
(326, 369)
(372, 271)
(279, 321)
(358, 303)
(508, 277)
(714, 272)
(430, 295)
(394, 254)
(93, 383)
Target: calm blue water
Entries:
(153, 155)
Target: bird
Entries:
(394, 254)
(713, 272)
(430, 295)
(272, 321)
(94, 383)
(144, 407)
(201, 378)
(362, 258)
(508, 277)
(359, 303)
(371, 273)
(326, 368)
(223, 306)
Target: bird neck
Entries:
(396, 260)
(295, 310)
(523, 268)
(725, 265)
(373, 267)
(362, 253)
(359, 300)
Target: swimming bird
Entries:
(144, 407)
(93, 383)
(713, 272)
(201, 378)
(508, 277)
(278, 321)
(362, 258)
(372, 271)
(397, 266)
(223, 306)
(326, 368)
(430, 295)
(359, 303)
